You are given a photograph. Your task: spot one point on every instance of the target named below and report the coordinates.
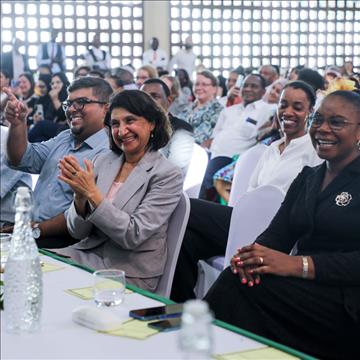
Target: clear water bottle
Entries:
(23, 275)
(195, 338)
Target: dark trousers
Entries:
(206, 236)
(303, 314)
(207, 190)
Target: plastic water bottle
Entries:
(23, 275)
(195, 339)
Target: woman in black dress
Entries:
(309, 301)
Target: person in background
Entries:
(318, 287)
(204, 112)
(97, 58)
(294, 72)
(233, 96)
(184, 58)
(222, 89)
(52, 54)
(179, 102)
(4, 83)
(10, 181)
(156, 57)
(185, 83)
(145, 72)
(25, 90)
(269, 73)
(85, 108)
(14, 63)
(179, 149)
(123, 202)
(81, 71)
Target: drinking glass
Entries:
(109, 287)
(4, 248)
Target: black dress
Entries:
(322, 316)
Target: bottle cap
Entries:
(196, 307)
(22, 191)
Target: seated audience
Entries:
(85, 108)
(179, 149)
(186, 83)
(179, 101)
(207, 231)
(310, 300)
(122, 205)
(236, 129)
(293, 73)
(204, 112)
(144, 73)
(269, 73)
(10, 181)
(233, 95)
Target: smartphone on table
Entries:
(157, 313)
(166, 325)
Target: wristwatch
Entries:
(36, 231)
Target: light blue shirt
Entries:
(51, 195)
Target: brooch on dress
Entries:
(343, 199)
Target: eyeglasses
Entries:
(79, 103)
(202, 84)
(336, 123)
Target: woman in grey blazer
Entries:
(123, 201)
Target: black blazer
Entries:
(7, 63)
(326, 231)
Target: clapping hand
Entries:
(82, 181)
(15, 111)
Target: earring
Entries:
(358, 144)
(152, 135)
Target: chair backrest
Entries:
(244, 168)
(196, 171)
(251, 215)
(175, 235)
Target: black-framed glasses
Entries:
(79, 103)
(336, 123)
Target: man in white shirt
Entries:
(96, 58)
(237, 128)
(155, 56)
(184, 58)
(13, 62)
(52, 54)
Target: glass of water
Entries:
(109, 287)
(4, 248)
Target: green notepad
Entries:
(267, 353)
(134, 329)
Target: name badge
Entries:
(251, 121)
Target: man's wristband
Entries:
(305, 267)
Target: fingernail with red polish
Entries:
(243, 281)
(257, 281)
(251, 283)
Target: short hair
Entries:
(150, 70)
(82, 67)
(261, 78)
(306, 88)
(97, 73)
(277, 68)
(123, 76)
(312, 77)
(142, 104)
(100, 87)
(351, 97)
(160, 82)
(209, 75)
(175, 87)
(30, 77)
(239, 70)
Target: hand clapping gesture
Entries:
(82, 181)
(253, 260)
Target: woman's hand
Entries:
(258, 259)
(246, 277)
(82, 181)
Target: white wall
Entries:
(157, 23)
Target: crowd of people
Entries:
(112, 149)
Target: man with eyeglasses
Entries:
(85, 108)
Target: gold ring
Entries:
(261, 260)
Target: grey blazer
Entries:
(130, 232)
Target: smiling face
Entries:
(24, 86)
(204, 90)
(337, 146)
(86, 122)
(141, 76)
(293, 110)
(252, 89)
(56, 83)
(158, 94)
(131, 133)
(275, 92)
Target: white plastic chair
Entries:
(196, 172)
(244, 168)
(251, 215)
(175, 235)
